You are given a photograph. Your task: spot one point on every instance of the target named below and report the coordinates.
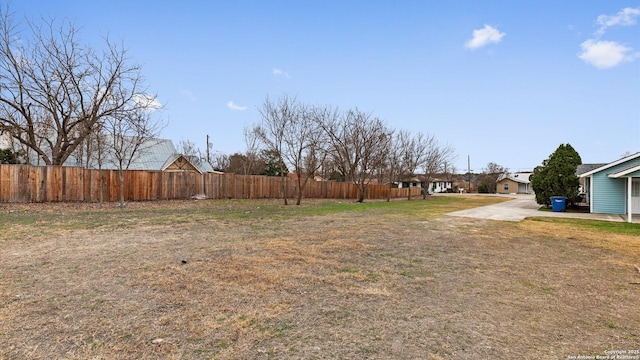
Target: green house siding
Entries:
(609, 196)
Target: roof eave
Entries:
(625, 172)
(617, 162)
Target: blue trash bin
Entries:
(558, 203)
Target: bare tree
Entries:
(252, 142)
(359, 143)
(436, 156)
(449, 169)
(89, 154)
(55, 91)
(329, 170)
(129, 135)
(395, 170)
(220, 162)
(291, 130)
(189, 149)
(276, 118)
(304, 144)
(490, 176)
(416, 151)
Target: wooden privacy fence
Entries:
(26, 183)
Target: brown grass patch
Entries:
(276, 282)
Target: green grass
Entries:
(526, 283)
(231, 210)
(16, 223)
(349, 269)
(372, 277)
(611, 227)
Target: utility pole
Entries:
(208, 147)
(469, 172)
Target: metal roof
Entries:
(520, 177)
(153, 155)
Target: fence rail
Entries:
(26, 183)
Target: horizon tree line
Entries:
(350, 145)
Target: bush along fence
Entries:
(26, 183)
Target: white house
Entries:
(440, 186)
(435, 186)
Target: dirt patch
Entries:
(193, 282)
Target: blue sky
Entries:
(501, 81)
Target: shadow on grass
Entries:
(570, 209)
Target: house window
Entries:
(506, 186)
(635, 188)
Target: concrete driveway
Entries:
(524, 206)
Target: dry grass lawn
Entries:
(328, 279)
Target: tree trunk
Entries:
(363, 189)
(102, 185)
(284, 190)
(121, 196)
(300, 187)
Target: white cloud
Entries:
(605, 54)
(625, 17)
(231, 105)
(278, 72)
(485, 36)
(147, 102)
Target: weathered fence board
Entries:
(26, 183)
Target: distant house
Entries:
(410, 183)
(435, 186)
(514, 183)
(614, 188)
(440, 186)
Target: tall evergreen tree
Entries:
(557, 176)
